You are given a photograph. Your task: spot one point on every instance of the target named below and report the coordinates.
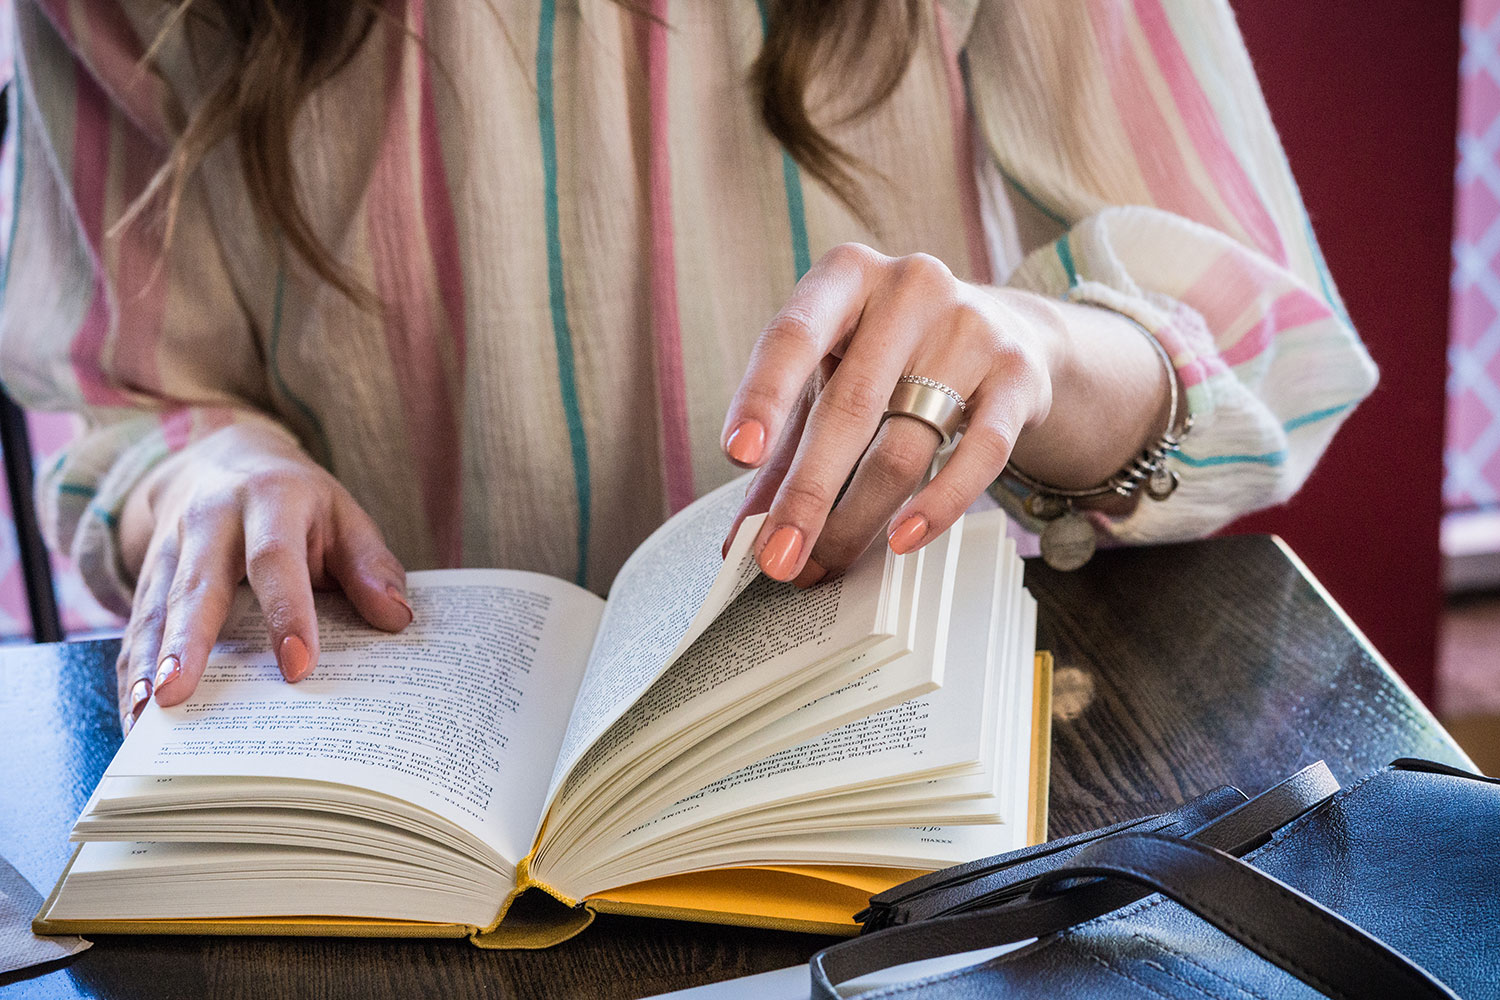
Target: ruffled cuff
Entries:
(1270, 367)
(81, 495)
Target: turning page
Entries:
(770, 638)
(668, 592)
(926, 737)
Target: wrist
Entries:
(1111, 395)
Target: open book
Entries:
(707, 744)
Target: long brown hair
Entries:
(277, 52)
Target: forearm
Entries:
(1110, 392)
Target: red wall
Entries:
(1364, 94)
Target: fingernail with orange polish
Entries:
(293, 658)
(779, 555)
(905, 536)
(746, 442)
(400, 599)
(167, 671)
(140, 693)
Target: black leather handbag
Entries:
(1387, 888)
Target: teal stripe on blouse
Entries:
(77, 490)
(1315, 416)
(1269, 458)
(15, 200)
(791, 179)
(561, 334)
(1065, 254)
(281, 386)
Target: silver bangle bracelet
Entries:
(1068, 539)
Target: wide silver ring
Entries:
(937, 405)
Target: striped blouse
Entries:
(578, 225)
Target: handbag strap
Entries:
(960, 932)
(1246, 827)
(1437, 767)
(1222, 817)
(1280, 924)
(1287, 928)
(993, 880)
(1022, 919)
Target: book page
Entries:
(941, 732)
(771, 630)
(461, 714)
(151, 880)
(927, 847)
(863, 683)
(668, 592)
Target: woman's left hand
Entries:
(810, 408)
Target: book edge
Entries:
(1041, 749)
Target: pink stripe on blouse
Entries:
(176, 427)
(1297, 307)
(113, 53)
(1195, 360)
(187, 423)
(1157, 156)
(651, 35)
(437, 205)
(1240, 282)
(91, 159)
(140, 276)
(1208, 138)
(1230, 286)
(412, 332)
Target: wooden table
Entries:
(1178, 668)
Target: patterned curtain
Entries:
(1472, 456)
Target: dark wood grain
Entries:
(1178, 668)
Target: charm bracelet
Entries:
(1068, 539)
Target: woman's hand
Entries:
(243, 501)
(809, 411)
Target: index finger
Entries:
(197, 607)
(822, 310)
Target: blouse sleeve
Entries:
(154, 351)
(1138, 129)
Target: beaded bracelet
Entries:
(1068, 539)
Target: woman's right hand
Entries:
(243, 501)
